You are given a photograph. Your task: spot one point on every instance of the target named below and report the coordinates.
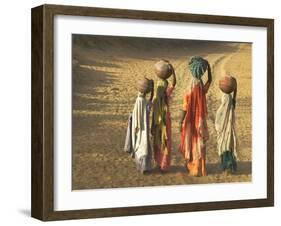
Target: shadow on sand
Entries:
(244, 168)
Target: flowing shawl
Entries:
(160, 110)
(141, 145)
(128, 147)
(194, 131)
(140, 129)
(225, 126)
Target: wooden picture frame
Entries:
(42, 203)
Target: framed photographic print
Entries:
(141, 112)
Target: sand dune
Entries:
(105, 74)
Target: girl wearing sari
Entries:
(193, 123)
(138, 139)
(226, 135)
(161, 122)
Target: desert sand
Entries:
(105, 74)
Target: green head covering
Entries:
(197, 66)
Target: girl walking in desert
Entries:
(193, 123)
(138, 139)
(161, 119)
(225, 125)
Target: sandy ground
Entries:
(105, 73)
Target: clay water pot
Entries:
(227, 84)
(144, 85)
(163, 69)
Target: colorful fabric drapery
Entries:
(161, 125)
(194, 129)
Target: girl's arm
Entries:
(174, 76)
(182, 117)
(152, 90)
(234, 95)
(184, 111)
(209, 81)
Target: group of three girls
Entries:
(143, 141)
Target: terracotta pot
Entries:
(144, 85)
(163, 69)
(227, 84)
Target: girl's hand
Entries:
(172, 68)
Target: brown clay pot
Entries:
(227, 84)
(163, 69)
(144, 85)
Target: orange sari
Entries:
(194, 129)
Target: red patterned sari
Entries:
(194, 129)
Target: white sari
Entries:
(141, 144)
(225, 126)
